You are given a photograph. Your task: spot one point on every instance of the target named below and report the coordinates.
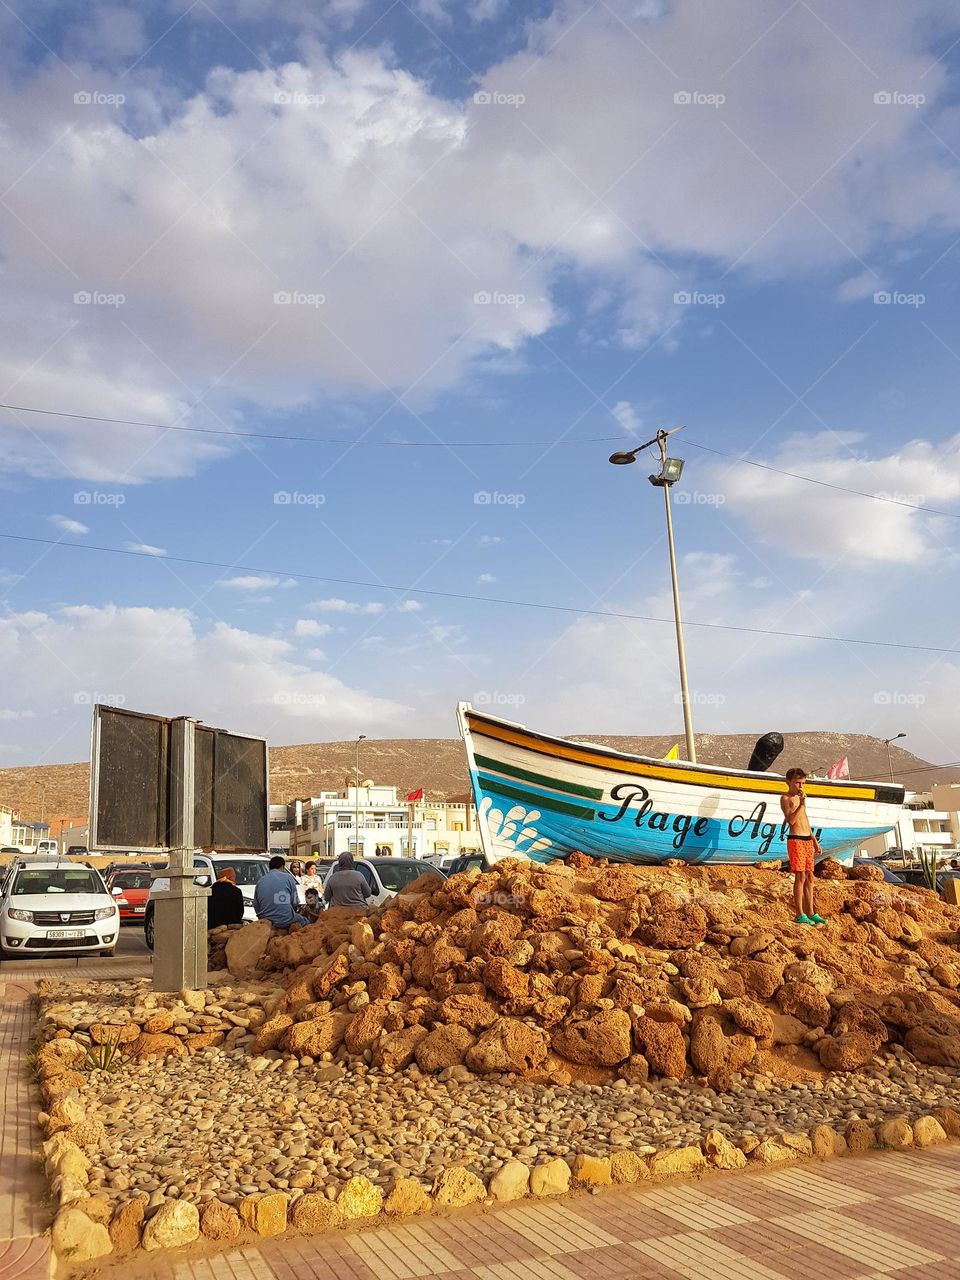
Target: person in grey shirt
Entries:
(347, 887)
(275, 897)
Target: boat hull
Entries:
(544, 798)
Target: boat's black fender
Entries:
(765, 752)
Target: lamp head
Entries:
(623, 459)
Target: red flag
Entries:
(839, 770)
(415, 795)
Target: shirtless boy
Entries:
(802, 847)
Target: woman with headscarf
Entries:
(225, 904)
(346, 886)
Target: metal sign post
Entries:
(180, 919)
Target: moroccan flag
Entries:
(673, 753)
(415, 795)
(840, 769)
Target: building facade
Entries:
(929, 822)
(371, 820)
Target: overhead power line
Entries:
(474, 599)
(343, 444)
(363, 442)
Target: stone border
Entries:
(81, 1232)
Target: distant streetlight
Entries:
(356, 792)
(886, 743)
(670, 471)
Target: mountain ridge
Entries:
(439, 766)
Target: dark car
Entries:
(466, 862)
(889, 876)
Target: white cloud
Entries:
(68, 525)
(495, 200)
(145, 549)
(857, 287)
(336, 605)
(408, 606)
(310, 627)
(167, 661)
(778, 509)
(626, 415)
(486, 578)
(489, 540)
(257, 582)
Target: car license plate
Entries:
(64, 933)
(138, 911)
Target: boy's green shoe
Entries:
(803, 920)
(816, 918)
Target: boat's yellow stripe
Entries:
(670, 773)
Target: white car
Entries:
(53, 906)
(248, 869)
(387, 876)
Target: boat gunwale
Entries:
(826, 788)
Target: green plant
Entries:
(928, 865)
(31, 1066)
(106, 1056)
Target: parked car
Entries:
(130, 887)
(248, 868)
(56, 907)
(889, 876)
(387, 876)
(465, 862)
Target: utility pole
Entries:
(180, 919)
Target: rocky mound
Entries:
(591, 970)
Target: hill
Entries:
(439, 766)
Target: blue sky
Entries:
(452, 224)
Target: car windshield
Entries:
(132, 880)
(56, 880)
(394, 875)
(247, 872)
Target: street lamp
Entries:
(670, 471)
(356, 791)
(886, 743)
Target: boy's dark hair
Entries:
(276, 863)
(794, 773)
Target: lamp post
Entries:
(356, 791)
(886, 743)
(670, 471)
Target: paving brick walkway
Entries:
(876, 1216)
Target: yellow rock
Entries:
(219, 1221)
(626, 1166)
(458, 1186)
(511, 1181)
(897, 1134)
(683, 1160)
(826, 1142)
(928, 1131)
(77, 1238)
(176, 1222)
(592, 1171)
(551, 1178)
(721, 1152)
(266, 1215)
(406, 1198)
(313, 1213)
(769, 1151)
(359, 1199)
(859, 1136)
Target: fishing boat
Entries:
(543, 798)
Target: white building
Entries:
(368, 820)
(929, 822)
(6, 827)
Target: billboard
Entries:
(136, 788)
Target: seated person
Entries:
(314, 905)
(275, 897)
(225, 904)
(347, 887)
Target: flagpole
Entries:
(410, 853)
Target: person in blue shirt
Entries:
(275, 897)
